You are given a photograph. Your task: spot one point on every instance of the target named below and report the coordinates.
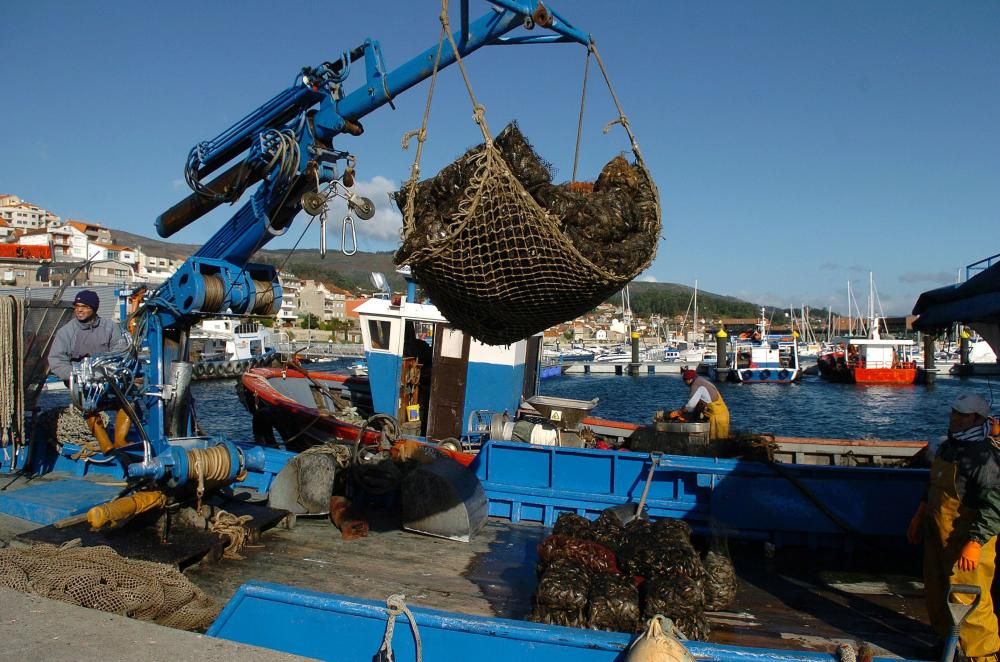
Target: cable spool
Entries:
(263, 297)
(215, 294)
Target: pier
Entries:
(602, 368)
(321, 351)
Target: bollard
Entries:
(930, 373)
(722, 362)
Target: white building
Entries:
(24, 215)
(69, 243)
(154, 270)
(290, 287)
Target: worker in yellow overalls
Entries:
(704, 398)
(959, 521)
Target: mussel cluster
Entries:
(606, 575)
(504, 252)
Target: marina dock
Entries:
(644, 368)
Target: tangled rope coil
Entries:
(234, 528)
(396, 605)
(341, 454)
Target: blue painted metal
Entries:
(493, 387)
(47, 503)
(327, 626)
(383, 376)
(525, 482)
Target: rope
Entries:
(208, 465)
(234, 528)
(11, 372)
(421, 135)
(579, 123)
(478, 110)
(342, 454)
(396, 605)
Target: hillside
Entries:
(352, 273)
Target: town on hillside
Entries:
(83, 253)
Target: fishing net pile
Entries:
(97, 577)
(606, 575)
(504, 253)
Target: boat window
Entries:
(379, 332)
(451, 343)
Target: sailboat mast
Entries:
(696, 311)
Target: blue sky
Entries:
(796, 144)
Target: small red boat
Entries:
(309, 408)
(872, 360)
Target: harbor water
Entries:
(811, 408)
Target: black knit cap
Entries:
(88, 298)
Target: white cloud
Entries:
(647, 278)
(384, 227)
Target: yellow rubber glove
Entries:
(914, 532)
(969, 558)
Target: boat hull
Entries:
(328, 626)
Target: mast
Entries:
(850, 319)
(696, 311)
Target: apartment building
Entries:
(290, 288)
(324, 301)
(23, 215)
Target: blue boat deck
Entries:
(780, 604)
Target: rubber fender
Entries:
(783, 374)
(765, 374)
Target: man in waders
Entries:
(959, 520)
(705, 399)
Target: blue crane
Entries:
(286, 149)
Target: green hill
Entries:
(352, 273)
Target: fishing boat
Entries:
(872, 358)
(759, 357)
(226, 348)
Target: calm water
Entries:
(812, 408)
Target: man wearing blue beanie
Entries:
(83, 336)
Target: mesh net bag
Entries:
(613, 604)
(586, 553)
(572, 525)
(504, 253)
(563, 585)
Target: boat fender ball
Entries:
(657, 645)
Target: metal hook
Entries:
(348, 221)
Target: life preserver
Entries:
(765, 374)
(783, 374)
